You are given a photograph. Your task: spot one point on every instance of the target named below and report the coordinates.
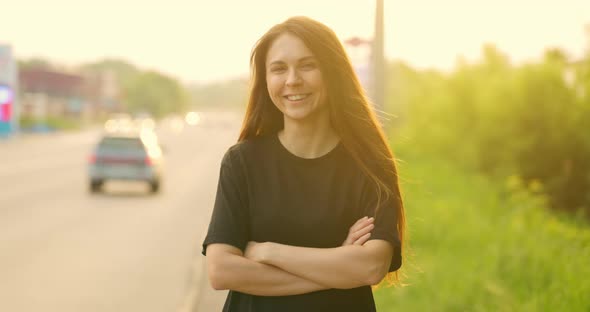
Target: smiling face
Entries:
(294, 80)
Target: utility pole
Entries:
(379, 59)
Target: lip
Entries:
(296, 101)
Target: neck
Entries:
(308, 139)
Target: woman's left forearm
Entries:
(341, 267)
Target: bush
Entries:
(478, 244)
(501, 119)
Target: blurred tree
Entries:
(155, 93)
(36, 63)
(503, 120)
(124, 71)
(231, 94)
(552, 148)
(144, 91)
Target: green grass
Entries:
(482, 245)
(52, 122)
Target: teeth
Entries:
(296, 97)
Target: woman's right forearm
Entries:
(233, 271)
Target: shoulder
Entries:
(250, 149)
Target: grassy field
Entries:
(481, 245)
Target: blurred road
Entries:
(62, 249)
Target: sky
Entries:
(200, 41)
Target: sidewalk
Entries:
(201, 297)
(35, 136)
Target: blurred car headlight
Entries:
(192, 118)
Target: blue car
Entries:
(128, 156)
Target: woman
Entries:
(312, 169)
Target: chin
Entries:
(298, 115)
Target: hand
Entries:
(360, 231)
(255, 251)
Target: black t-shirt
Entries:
(267, 194)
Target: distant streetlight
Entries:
(371, 71)
(360, 54)
(378, 53)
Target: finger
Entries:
(358, 234)
(356, 225)
(366, 222)
(363, 239)
(368, 228)
(361, 223)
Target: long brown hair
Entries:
(350, 113)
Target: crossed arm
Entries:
(269, 269)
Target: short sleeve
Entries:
(229, 220)
(386, 219)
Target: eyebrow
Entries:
(305, 58)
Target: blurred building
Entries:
(8, 97)
(48, 93)
(51, 93)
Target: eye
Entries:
(277, 69)
(308, 66)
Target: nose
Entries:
(293, 78)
